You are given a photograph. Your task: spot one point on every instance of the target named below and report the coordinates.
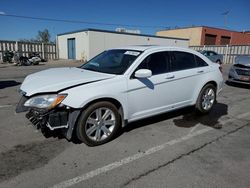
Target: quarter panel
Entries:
(213, 74)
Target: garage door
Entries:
(210, 39)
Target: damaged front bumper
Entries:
(59, 118)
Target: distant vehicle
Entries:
(213, 56)
(33, 59)
(240, 71)
(7, 56)
(116, 87)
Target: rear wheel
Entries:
(98, 124)
(206, 99)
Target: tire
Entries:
(206, 101)
(93, 128)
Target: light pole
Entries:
(225, 14)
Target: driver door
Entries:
(149, 96)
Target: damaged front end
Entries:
(55, 118)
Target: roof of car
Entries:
(150, 47)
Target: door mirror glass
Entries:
(143, 73)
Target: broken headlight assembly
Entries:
(45, 101)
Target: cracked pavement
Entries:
(162, 151)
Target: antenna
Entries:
(225, 14)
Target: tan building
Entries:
(203, 35)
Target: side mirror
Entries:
(143, 73)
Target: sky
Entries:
(158, 14)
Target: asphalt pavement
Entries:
(176, 149)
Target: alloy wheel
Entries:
(208, 99)
(100, 124)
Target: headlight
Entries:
(45, 101)
(232, 72)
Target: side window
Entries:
(156, 62)
(182, 61)
(200, 62)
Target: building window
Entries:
(210, 39)
(225, 40)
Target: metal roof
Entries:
(121, 33)
(203, 26)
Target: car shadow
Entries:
(210, 120)
(238, 85)
(190, 118)
(147, 83)
(8, 83)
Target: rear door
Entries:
(187, 72)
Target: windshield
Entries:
(112, 61)
(203, 52)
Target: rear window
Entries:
(182, 61)
(200, 62)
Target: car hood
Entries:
(58, 79)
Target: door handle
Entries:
(201, 71)
(170, 77)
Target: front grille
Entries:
(35, 118)
(244, 72)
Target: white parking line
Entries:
(114, 165)
(243, 115)
(5, 106)
(193, 129)
(127, 160)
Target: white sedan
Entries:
(92, 102)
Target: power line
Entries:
(80, 21)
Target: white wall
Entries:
(81, 45)
(92, 43)
(100, 41)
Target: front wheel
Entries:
(98, 124)
(206, 99)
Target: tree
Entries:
(43, 36)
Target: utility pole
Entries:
(225, 14)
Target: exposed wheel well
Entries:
(213, 83)
(117, 104)
(210, 82)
